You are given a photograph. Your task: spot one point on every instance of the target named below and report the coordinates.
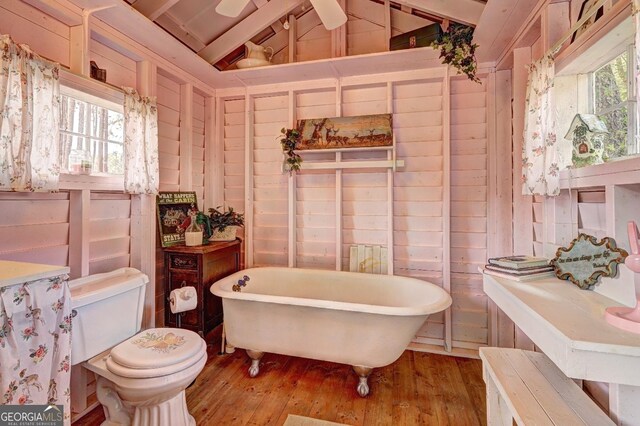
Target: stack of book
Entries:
(519, 268)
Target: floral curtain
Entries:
(635, 7)
(541, 163)
(29, 117)
(35, 344)
(141, 173)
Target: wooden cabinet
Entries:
(199, 267)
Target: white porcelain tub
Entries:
(363, 320)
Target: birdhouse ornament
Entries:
(587, 133)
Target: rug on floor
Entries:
(294, 420)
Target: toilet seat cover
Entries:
(156, 352)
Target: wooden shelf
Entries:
(356, 164)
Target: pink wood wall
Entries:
(438, 210)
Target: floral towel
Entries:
(35, 343)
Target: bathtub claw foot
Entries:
(363, 385)
(255, 362)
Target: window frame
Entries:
(633, 140)
(103, 95)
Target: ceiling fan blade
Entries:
(330, 13)
(231, 8)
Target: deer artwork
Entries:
(332, 138)
(316, 135)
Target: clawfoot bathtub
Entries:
(363, 320)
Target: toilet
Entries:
(141, 375)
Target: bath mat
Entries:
(294, 420)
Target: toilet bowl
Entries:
(141, 376)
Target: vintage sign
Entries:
(586, 259)
(173, 215)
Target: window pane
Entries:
(97, 131)
(616, 142)
(611, 84)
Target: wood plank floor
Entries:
(418, 389)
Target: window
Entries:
(91, 135)
(614, 102)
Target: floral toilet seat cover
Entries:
(156, 352)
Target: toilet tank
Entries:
(108, 309)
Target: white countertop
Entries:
(12, 273)
(568, 325)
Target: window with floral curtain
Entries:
(29, 117)
(635, 6)
(141, 170)
(541, 162)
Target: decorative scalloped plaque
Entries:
(586, 259)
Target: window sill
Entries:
(94, 182)
(617, 172)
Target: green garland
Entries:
(289, 142)
(458, 50)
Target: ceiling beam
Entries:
(247, 28)
(259, 3)
(152, 9)
(463, 11)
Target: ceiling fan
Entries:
(329, 11)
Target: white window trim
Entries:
(102, 95)
(633, 144)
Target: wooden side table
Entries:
(199, 267)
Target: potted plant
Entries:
(223, 224)
(289, 142)
(458, 50)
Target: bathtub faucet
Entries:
(241, 283)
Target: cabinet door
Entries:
(182, 279)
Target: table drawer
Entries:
(181, 261)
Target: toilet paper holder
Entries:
(178, 315)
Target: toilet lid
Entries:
(156, 352)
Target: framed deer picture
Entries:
(346, 132)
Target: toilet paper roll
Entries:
(183, 299)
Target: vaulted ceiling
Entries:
(220, 39)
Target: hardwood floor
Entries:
(418, 389)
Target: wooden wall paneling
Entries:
(314, 44)
(198, 149)
(248, 179)
(363, 193)
(339, 37)
(418, 225)
(291, 179)
(34, 227)
(186, 137)
(144, 255)
(214, 152)
(121, 70)
(269, 185)
(391, 155)
(446, 205)
(339, 190)
(316, 203)
(233, 125)
(502, 329)
(293, 37)
(79, 202)
(522, 204)
(28, 25)
(168, 95)
(108, 232)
